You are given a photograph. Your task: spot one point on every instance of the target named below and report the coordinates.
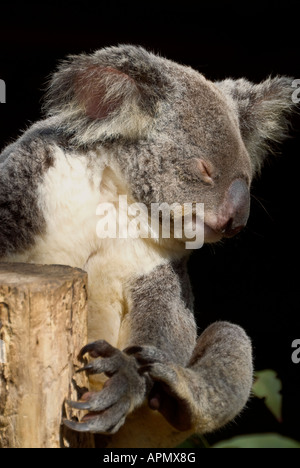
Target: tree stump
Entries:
(43, 325)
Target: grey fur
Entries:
(170, 324)
(263, 110)
(172, 136)
(22, 165)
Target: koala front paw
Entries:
(172, 392)
(122, 392)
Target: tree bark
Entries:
(43, 325)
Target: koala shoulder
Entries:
(22, 165)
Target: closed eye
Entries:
(205, 170)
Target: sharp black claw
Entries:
(97, 349)
(76, 426)
(82, 405)
(133, 350)
(86, 349)
(88, 368)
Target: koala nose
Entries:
(234, 212)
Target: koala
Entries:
(125, 122)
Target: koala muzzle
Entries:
(234, 212)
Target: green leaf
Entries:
(268, 386)
(195, 441)
(259, 441)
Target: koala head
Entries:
(176, 136)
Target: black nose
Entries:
(235, 209)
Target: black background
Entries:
(253, 279)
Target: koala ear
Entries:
(112, 93)
(263, 112)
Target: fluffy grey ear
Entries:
(263, 112)
(112, 93)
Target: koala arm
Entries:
(197, 385)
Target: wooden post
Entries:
(43, 323)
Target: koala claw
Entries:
(76, 426)
(97, 349)
(106, 422)
(122, 392)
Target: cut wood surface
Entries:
(43, 325)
